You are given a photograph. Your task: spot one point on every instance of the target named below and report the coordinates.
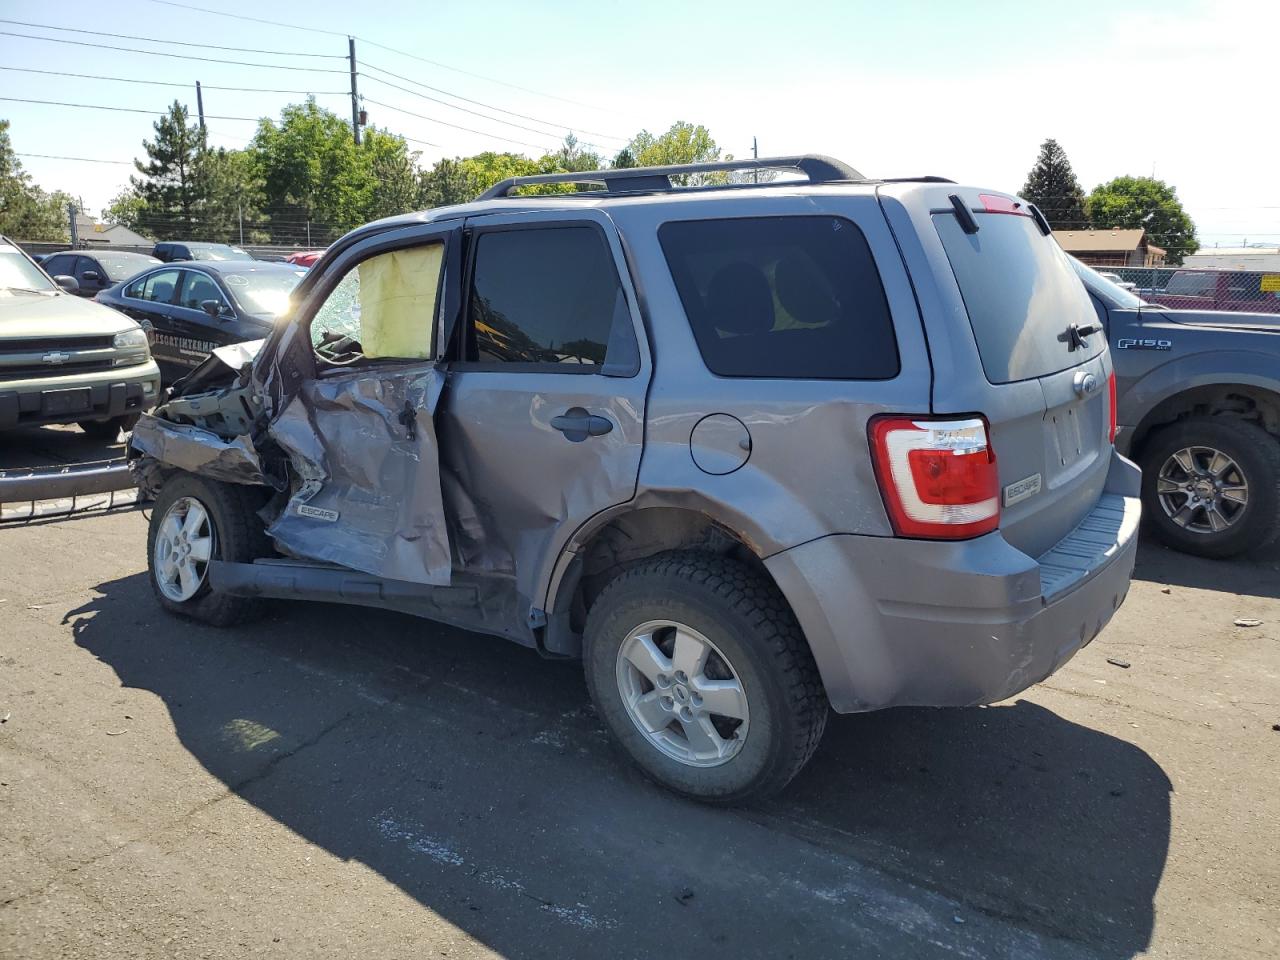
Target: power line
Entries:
(444, 103)
(51, 156)
(446, 123)
(179, 43)
(511, 113)
(380, 46)
(174, 56)
(95, 106)
(174, 83)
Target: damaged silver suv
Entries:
(751, 451)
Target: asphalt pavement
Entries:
(337, 781)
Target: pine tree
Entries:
(172, 186)
(1052, 186)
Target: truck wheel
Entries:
(108, 430)
(1211, 486)
(701, 672)
(193, 521)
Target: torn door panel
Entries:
(367, 494)
(193, 449)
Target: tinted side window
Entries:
(60, 266)
(197, 288)
(544, 295)
(795, 297)
(1191, 285)
(156, 287)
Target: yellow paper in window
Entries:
(398, 302)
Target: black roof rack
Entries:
(818, 169)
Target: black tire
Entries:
(1256, 453)
(746, 618)
(108, 430)
(238, 536)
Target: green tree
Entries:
(26, 211)
(446, 183)
(682, 143)
(127, 208)
(392, 183)
(1149, 203)
(172, 186)
(311, 174)
(231, 197)
(1052, 186)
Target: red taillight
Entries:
(938, 477)
(1111, 407)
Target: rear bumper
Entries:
(110, 393)
(895, 622)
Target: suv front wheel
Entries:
(193, 522)
(702, 674)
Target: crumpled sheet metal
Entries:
(368, 495)
(194, 450)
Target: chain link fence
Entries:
(1200, 288)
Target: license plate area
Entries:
(57, 402)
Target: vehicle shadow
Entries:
(1255, 574)
(473, 775)
(53, 446)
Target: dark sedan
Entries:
(189, 309)
(96, 270)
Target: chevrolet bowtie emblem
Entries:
(56, 357)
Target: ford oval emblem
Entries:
(1085, 384)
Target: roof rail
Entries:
(817, 168)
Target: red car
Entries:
(304, 258)
(1220, 290)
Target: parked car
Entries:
(190, 309)
(66, 360)
(1118, 281)
(1198, 401)
(751, 452)
(170, 251)
(96, 270)
(1236, 290)
(305, 258)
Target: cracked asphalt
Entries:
(346, 782)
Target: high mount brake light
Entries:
(938, 478)
(991, 203)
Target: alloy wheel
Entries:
(1202, 490)
(183, 547)
(682, 693)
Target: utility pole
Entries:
(71, 224)
(240, 215)
(755, 155)
(200, 105)
(355, 93)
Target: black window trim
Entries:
(884, 296)
(471, 234)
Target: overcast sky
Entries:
(963, 90)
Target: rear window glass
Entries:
(790, 297)
(1021, 295)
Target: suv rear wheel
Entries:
(1211, 486)
(194, 521)
(703, 676)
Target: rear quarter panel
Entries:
(809, 472)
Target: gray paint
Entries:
(782, 465)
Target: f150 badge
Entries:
(1129, 343)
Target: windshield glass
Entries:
(264, 293)
(219, 251)
(1100, 286)
(122, 268)
(19, 273)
